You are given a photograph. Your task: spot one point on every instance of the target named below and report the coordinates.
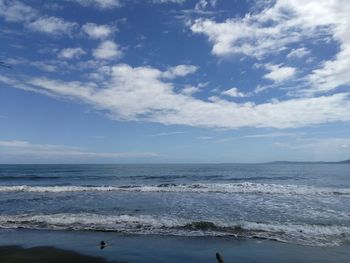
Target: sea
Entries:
(303, 204)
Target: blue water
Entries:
(307, 204)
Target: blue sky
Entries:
(164, 81)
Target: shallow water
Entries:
(304, 204)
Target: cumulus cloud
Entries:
(189, 90)
(203, 4)
(52, 25)
(15, 11)
(257, 34)
(279, 73)
(149, 94)
(103, 4)
(239, 36)
(70, 53)
(280, 24)
(332, 74)
(97, 31)
(107, 50)
(233, 92)
(179, 71)
(142, 93)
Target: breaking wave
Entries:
(315, 235)
(225, 188)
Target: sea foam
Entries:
(225, 188)
(316, 235)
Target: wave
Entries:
(225, 188)
(53, 177)
(263, 178)
(315, 235)
(144, 177)
(27, 177)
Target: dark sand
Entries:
(14, 254)
(156, 249)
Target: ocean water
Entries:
(306, 204)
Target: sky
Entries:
(174, 81)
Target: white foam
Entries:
(317, 235)
(88, 221)
(244, 188)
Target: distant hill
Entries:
(345, 161)
(319, 162)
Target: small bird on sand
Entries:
(219, 258)
(103, 244)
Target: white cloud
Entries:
(280, 24)
(204, 138)
(70, 53)
(272, 135)
(107, 50)
(142, 94)
(104, 4)
(52, 25)
(242, 36)
(26, 144)
(257, 34)
(333, 73)
(204, 4)
(15, 11)
(167, 133)
(97, 31)
(279, 73)
(298, 53)
(189, 90)
(262, 135)
(179, 71)
(168, 1)
(233, 92)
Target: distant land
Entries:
(303, 162)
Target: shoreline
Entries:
(170, 249)
(14, 254)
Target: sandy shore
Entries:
(75, 246)
(15, 254)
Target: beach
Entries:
(147, 249)
(15, 254)
(169, 131)
(176, 213)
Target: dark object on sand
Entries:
(219, 258)
(102, 244)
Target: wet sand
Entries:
(76, 246)
(15, 254)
